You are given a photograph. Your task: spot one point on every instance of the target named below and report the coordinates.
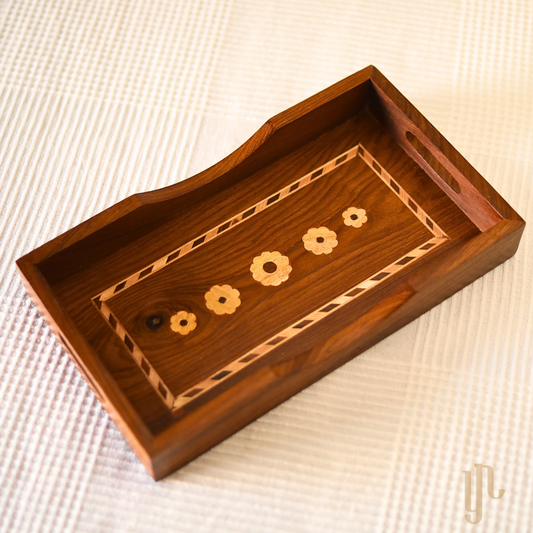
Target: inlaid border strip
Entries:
(265, 203)
(175, 402)
(303, 323)
(395, 187)
(228, 224)
(137, 354)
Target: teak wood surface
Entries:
(194, 309)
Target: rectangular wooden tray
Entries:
(194, 309)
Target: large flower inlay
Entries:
(355, 217)
(271, 268)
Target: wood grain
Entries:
(173, 368)
(155, 298)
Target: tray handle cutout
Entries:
(433, 162)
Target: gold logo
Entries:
(479, 491)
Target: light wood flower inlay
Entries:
(354, 217)
(271, 268)
(183, 322)
(222, 299)
(320, 240)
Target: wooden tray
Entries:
(194, 309)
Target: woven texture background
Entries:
(102, 99)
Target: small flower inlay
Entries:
(355, 217)
(183, 322)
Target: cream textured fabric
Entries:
(101, 99)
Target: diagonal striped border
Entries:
(271, 200)
(305, 322)
(175, 402)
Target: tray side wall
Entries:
(430, 150)
(146, 212)
(95, 374)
